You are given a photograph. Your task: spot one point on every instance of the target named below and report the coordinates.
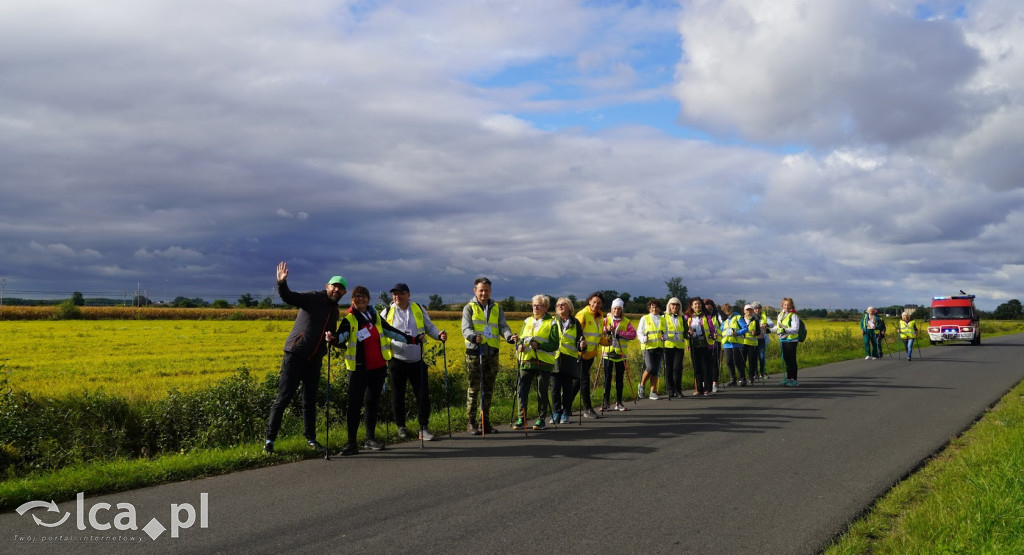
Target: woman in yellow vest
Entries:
(537, 347)
(908, 333)
(701, 335)
(675, 346)
(733, 328)
(750, 340)
(619, 329)
(566, 376)
(652, 335)
(367, 349)
(591, 318)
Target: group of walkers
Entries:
(872, 329)
(556, 353)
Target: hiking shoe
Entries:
(425, 435)
(519, 425)
(268, 447)
(653, 396)
(639, 391)
(315, 445)
(539, 424)
(565, 418)
(743, 383)
(372, 444)
(733, 383)
(785, 381)
(589, 413)
(402, 432)
(620, 407)
(349, 449)
(714, 388)
(867, 358)
(488, 429)
(793, 383)
(555, 418)
(473, 430)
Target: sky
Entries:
(844, 153)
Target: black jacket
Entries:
(317, 314)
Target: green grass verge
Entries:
(968, 499)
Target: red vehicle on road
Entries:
(954, 318)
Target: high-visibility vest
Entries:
(731, 322)
(417, 316)
(748, 338)
(591, 331)
(908, 330)
(482, 324)
(705, 324)
(674, 332)
(350, 345)
(568, 343)
(533, 327)
(653, 333)
(616, 349)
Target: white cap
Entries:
(618, 303)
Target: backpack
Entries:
(801, 335)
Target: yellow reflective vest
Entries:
(653, 332)
(353, 340)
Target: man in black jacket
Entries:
(304, 352)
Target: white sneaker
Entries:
(867, 358)
(653, 396)
(425, 435)
(714, 388)
(639, 391)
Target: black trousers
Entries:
(789, 358)
(564, 383)
(705, 369)
(415, 373)
(364, 387)
(674, 370)
(295, 370)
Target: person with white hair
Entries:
(675, 346)
(537, 350)
(872, 328)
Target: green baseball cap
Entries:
(339, 280)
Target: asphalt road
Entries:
(753, 470)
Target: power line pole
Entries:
(3, 289)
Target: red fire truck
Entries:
(954, 318)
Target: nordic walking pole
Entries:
(447, 399)
(327, 408)
(423, 384)
(387, 413)
(480, 394)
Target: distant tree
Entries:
(676, 288)
(77, 298)
(182, 302)
(68, 310)
(738, 305)
(266, 302)
(509, 304)
(1010, 310)
(573, 300)
(609, 296)
(247, 300)
(436, 303)
(220, 303)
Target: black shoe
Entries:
(403, 433)
(268, 447)
(349, 449)
(372, 444)
(473, 430)
(589, 413)
(488, 429)
(315, 445)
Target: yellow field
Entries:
(143, 359)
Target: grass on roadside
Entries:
(967, 499)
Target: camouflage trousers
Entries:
(479, 393)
